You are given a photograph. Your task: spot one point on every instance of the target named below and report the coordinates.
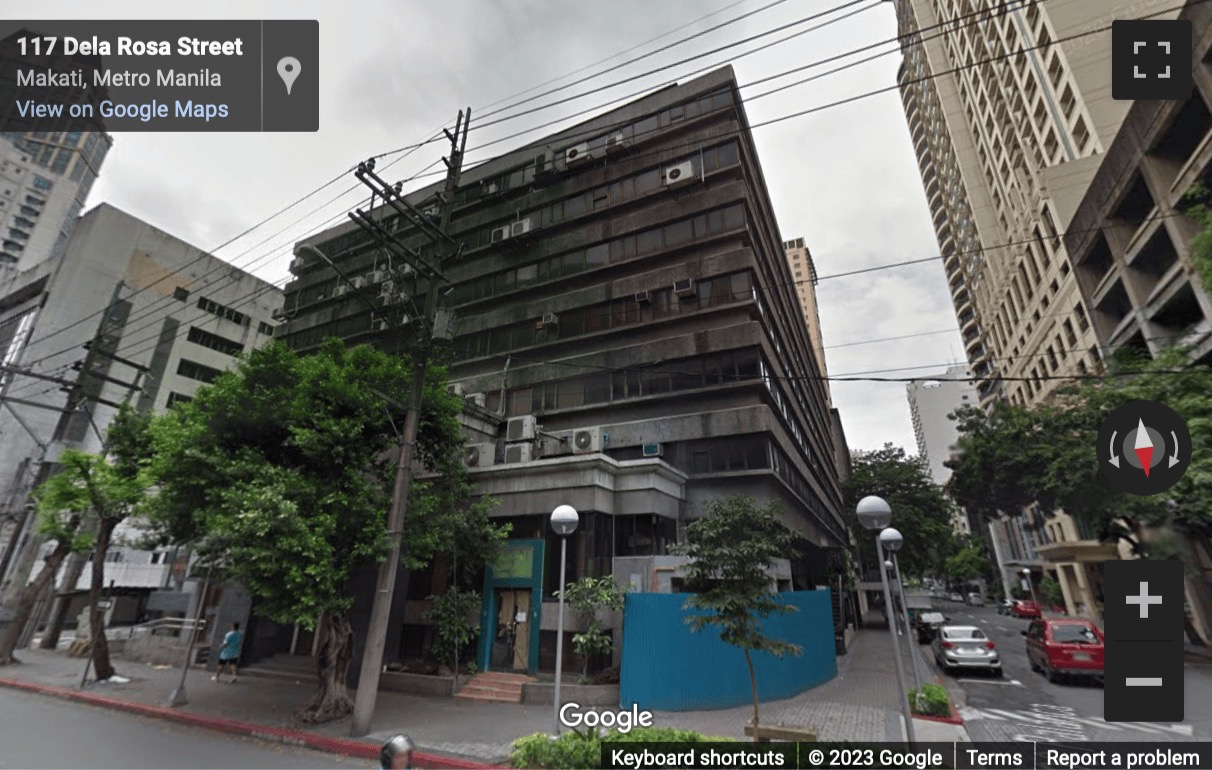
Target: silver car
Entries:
(965, 647)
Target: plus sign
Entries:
(1144, 600)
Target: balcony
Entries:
(1081, 551)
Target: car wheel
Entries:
(999, 673)
(1052, 675)
(1031, 663)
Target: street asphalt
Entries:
(1023, 705)
(43, 733)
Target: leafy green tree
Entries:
(968, 563)
(282, 471)
(587, 597)
(1196, 203)
(1051, 592)
(920, 510)
(451, 614)
(731, 548)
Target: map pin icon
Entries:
(288, 70)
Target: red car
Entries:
(1065, 647)
(1025, 609)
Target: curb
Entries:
(350, 747)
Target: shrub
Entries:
(453, 631)
(933, 701)
(583, 751)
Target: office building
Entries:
(1132, 255)
(129, 314)
(628, 340)
(931, 402)
(803, 274)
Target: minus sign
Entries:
(1143, 681)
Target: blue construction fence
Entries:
(666, 666)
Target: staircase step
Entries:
(495, 686)
(485, 698)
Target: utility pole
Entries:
(376, 635)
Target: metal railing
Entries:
(162, 627)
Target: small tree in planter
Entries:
(453, 629)
(587, 597)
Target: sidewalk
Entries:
(860, 704)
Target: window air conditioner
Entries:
(587, 440)
(340, 291)
(387, 291)
(643, 297)
(616, 142)
(522, 428)
(480, 455)
(432, 212)
(381, 325)
(500, 234)
(358, 282)
(279, 314)
(578, 154)
(521, 227)
(480, 399)
(457, 389)
(684, 288)
(406, 270)
(489, 188)
(678, 174)
(376, 276)
(297, 264)
(518, 453)
(543, 164)
(548, 319)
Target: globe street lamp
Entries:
(875, 514)
(892, 542)
(564, 520)
(1031, 585)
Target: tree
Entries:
(587, 597)
(450, 614)
(104, 489)
(731, 548)
(920, 510)
(282, 470)
(968, 563)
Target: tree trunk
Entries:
(25, 604)
(96, 616)
(754, 688)
(62, 603)
(332, 702)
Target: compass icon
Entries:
(1143, 448)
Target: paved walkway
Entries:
(860, 704)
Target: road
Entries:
(1023, 705)
(43, 732)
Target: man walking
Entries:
(229, 653)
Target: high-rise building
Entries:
(803, 273)
(1133, 257)
(931, 401)
(628, 339)
(1009, 108)
(128, 314)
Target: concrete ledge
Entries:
(422, 684)
(543, 694)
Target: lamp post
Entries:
(564, 520)
(892, 542)
(1031, 585)
(875, 514)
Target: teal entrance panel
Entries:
(518, 566)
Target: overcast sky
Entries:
(394, 71)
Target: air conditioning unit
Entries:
(458, 389)
(480, 455)
(548, 319)
(521, 227)
(522, 428)
(678, 174)
(500, 234)
(616, 142)
(406, 270)
(489, 188)
(653, 450)
(587, 440)
(643, 297)
(376, 276)
(358, 282)
(432, 212)
(543, 164)
(519, 453)
(340, 291)
(387, 291)
(578, 154)
(297, 264)
(382, 326)
(279, 314)
(684, 288)
(479, 399)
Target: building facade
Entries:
(1132, 250)
(128, 315)
(931, 403)
(803, 273)
(628, 340)
(1010, 110)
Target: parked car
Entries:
(956, 598)
(965, 647)
(927, 626)
(1065, 647)
(1004, 606)
(1025, 609)
(976, 600)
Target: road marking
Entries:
(1003, 628)
(984, 621)
(1001, 715)
(1013, 682)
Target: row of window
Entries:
(641, 244)
(199, 372)
(214, 342)
(222, 311)
(632, 132)
(574, 322)
(175, 398)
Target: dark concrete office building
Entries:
(629, 340)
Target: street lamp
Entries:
(875, 514)
(892, 542)
(564, 520)
(1031, 585)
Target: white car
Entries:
(965, 647)
(956, 598)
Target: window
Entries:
(222, 311)
(42, 183)
(214, 342)
(177, 398)
(181, 293)
(265, 329)
(1082, 322)
(196, 371)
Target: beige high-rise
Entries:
(803, 274)
(1009, 107)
